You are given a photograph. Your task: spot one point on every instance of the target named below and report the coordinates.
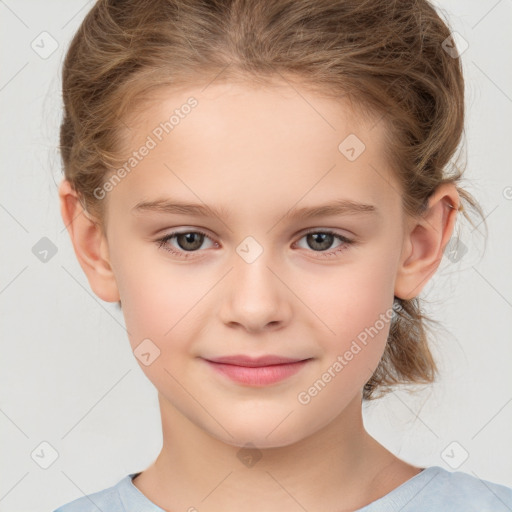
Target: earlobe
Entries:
(89, 243)
(425, 242)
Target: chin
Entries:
(260, 435)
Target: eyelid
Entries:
(332, 231)
(300, 234)
(164, 239)
(345, 242)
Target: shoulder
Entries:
(435, 489)
(108, 500)
(457, 491)
(475, 493)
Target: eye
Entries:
(319, 241)
(188, 242)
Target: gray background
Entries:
(68, 376)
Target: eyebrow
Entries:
(337, 207)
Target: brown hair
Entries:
(386, 56)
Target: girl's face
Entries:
(289, 265)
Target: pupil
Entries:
(324, 240)
(188, 239)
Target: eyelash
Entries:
(162, 243)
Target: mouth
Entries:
(256, 372)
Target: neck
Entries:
(340, 467)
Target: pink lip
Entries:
(261, 371)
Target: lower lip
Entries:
(258, 376)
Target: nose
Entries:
(254, 297)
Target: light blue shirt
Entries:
(432, 490)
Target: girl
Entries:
(263, 187)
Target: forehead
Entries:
(248, 144)
(245, 108)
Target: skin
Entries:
(258, 152)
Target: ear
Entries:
(425, 241)
(89, 242)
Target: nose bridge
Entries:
(255, 297)
(252, 278)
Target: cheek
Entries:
(360, 313)
(351, 297)
(157, 297)
(169, 305)
(354, 307)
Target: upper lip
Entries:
(253, 362)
